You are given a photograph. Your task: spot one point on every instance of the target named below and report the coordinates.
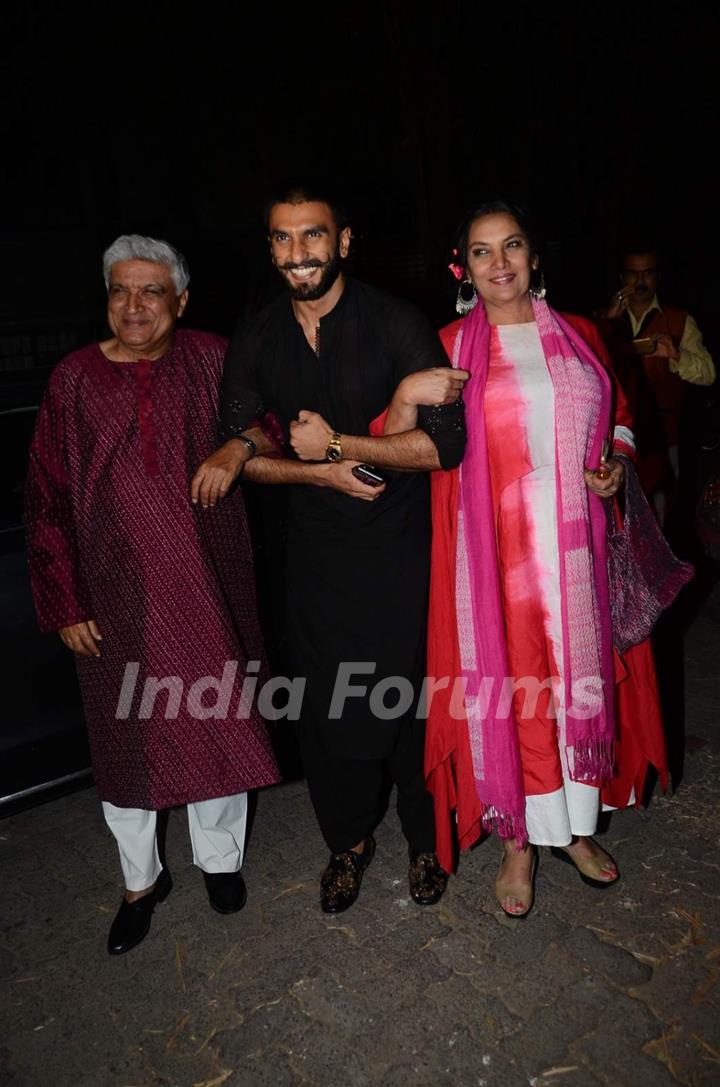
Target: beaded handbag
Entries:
(644, 575)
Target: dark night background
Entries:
(173, 120)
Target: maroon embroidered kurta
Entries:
(113, 536)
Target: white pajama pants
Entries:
(217, 834)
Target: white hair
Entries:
(139, 247)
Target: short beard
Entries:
(304, 292)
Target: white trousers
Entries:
(573, 809)
(553, 818)
(217, 834)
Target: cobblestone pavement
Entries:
(615, 988)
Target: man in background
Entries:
(656, 350)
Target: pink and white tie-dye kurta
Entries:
(520, 420)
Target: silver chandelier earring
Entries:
(539, 289)
(466, 298)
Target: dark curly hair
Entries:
(306, 192)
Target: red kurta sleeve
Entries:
(51, 545)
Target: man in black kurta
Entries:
(326, 361)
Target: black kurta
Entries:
(357, 572)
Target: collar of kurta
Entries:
(636, 323)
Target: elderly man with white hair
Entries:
(154, 596)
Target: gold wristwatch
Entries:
(334, 449)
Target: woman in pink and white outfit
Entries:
(519, 592)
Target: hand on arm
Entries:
(218, 472)
(433, 387)
(407, 450)
(215, 476)
(82, 638)
(412, 450)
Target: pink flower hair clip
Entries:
(455, 268)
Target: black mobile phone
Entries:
(366, 473)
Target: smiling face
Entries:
(307, 248)
(143, 306)
(500, 264)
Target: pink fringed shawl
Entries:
(582, 393)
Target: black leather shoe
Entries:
(226, 890)
(427, 879)
(340, 882)
(132, 921)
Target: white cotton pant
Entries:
(572, 810)
(553, 818)
(217, 834)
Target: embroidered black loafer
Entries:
(226, 890)
(426, 878)
(340, 882)
(132, 921)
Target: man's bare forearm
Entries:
(281, 470)
(412, 450)
(337, 474)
